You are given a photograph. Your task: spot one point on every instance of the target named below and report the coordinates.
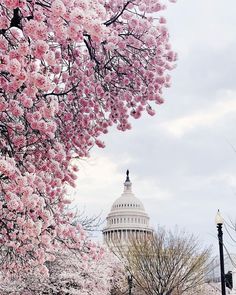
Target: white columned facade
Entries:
(126, 219)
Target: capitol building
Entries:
(127, 218)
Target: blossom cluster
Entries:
(69, 69)
(70, 275)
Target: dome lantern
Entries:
(127, 184)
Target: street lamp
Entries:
(219, 223)
(130, 283)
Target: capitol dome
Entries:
(127, 218)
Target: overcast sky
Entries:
(182, 161)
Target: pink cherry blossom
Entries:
(14, 66)
(69, 71)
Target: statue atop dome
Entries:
(127, 176)
(127, 184)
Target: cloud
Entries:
(213, 30)
(150, 189)
(203, 118)
(96, 174)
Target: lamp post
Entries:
(130, 283)
(219, 223)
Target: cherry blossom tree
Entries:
(206, 289)
(69, 69)
(70, 275)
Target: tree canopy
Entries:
(169, 262)
(69, 69)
